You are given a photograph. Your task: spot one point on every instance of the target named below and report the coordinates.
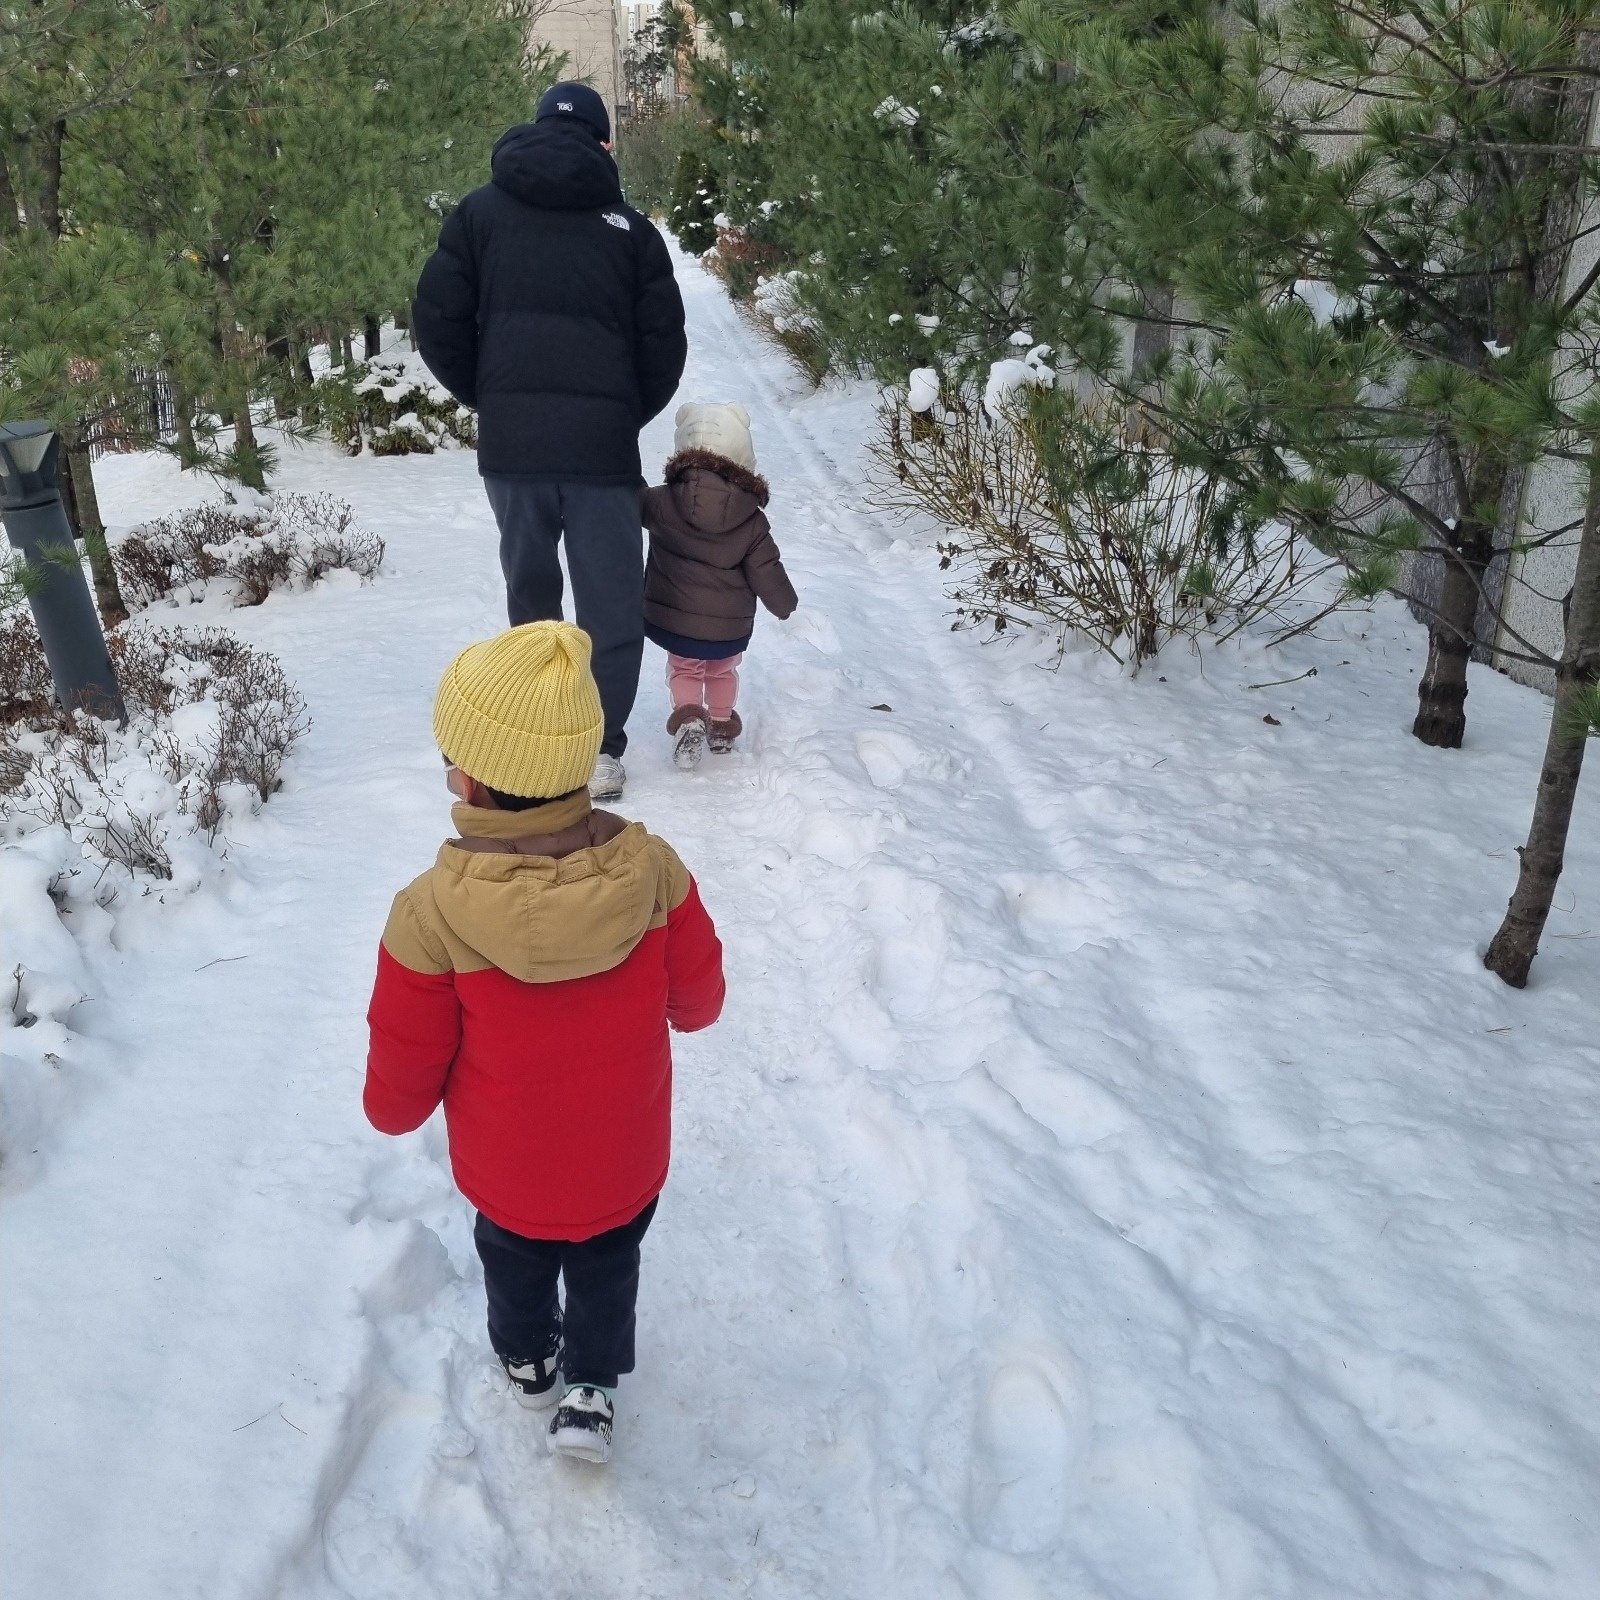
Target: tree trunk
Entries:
(1513, 948)
(90, 528)
(246, 449)
(302, 367)
(1442, 693)
(238, 358)
(1442, 690)
(1150, 340)
(347, 356)
(69, 501)
(372, 334)
(10, 218)
(47, 149)
(1572, 101)
(183, 424)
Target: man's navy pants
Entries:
(605, 554)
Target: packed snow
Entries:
(1114, 1177)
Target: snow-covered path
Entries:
(1114, 1176)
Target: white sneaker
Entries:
(609, 777)
(581, 1427)
(535, 1381)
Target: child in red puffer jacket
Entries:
(527, 982)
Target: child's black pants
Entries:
(602, 1278)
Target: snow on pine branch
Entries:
(393, 406)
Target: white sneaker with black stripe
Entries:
(581, 1427)
(535, 1380)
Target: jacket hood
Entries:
(557, 164)
(542, 917)
(712, 493)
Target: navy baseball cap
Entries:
(576, 100)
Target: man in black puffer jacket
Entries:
(551, 308)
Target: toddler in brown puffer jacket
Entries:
(712, 557)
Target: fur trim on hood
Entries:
(686, 461)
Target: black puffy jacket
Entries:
(551, 307)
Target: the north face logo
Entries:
(617, 220)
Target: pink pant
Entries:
(714, 684)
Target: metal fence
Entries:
(141, 415)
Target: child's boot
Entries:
(687, 725)
(723, 734)
(581, 1427)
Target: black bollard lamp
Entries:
(37, 525)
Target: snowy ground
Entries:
(1114, 1175)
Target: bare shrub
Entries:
(258, 568)
(289, 539)
(739, 259)
(260, 714)
(135, 840)
(27, 692)
(177, 552)
(94, 779)
(1061, 517)
(15, 764)
(325, 535)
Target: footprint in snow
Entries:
(1021, 1463)
(816, 630)
(888, 757)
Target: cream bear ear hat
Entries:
(724, 430)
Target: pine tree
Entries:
(1364, 210)
(1318, 245)
(915, 168)
(223, 183)
(69, 304)
(1575, 714)
(694, 202)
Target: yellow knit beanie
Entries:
(520, 712)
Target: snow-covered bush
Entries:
(280, 541)
(393, 406)
(777, 298)
(95, 817)
(779, 301)
(1060, 517)
(210, 721)
(47, 894)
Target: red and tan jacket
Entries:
(527, 980)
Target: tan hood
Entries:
(553, 893)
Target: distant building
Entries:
(589, 34)
(673, 85)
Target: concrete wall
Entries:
(1539, 580)
(588, 33)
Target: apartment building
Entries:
(589, 34)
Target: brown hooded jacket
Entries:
(712, 554)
